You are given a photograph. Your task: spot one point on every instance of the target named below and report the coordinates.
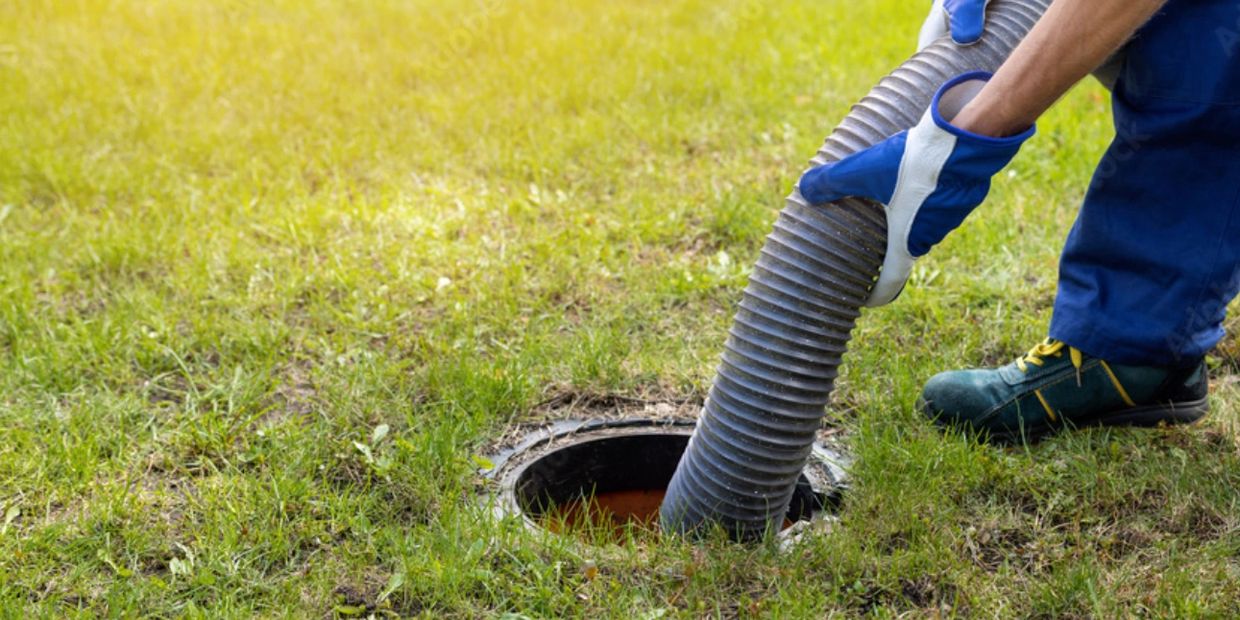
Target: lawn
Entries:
(240, 240)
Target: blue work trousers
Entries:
(1154, 256)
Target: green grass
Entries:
(238, 236)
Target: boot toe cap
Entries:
(961, 397)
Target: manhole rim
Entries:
(826, 470)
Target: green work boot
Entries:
(1055, 386)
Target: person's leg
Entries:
(1153, 258)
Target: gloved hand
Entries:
(963, 18)
(929, 178)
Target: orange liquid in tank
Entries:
(611, 512)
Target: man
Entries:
(1154, 256)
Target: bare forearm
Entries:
(1071, 39)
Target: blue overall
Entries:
(1154, 256)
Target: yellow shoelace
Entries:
(1050, 348)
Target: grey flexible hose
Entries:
(790, 333)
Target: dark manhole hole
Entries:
(606, 479)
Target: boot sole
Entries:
(1184, 412)
(1176, 413)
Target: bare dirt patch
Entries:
(295, 396)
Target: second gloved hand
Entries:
(963, 19)
(929, 178)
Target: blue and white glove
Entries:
(964, 19)
(929, 178)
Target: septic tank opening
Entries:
(607, 485)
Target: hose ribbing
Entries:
(792, 328)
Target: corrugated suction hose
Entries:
(790, 333)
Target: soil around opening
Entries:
(612, 486)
